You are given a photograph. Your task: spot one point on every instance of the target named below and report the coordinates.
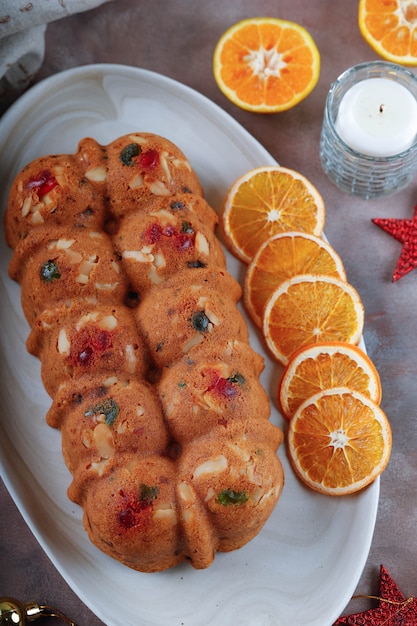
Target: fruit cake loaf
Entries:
(155, 387)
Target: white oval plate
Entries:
(304, 566)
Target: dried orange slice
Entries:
(339, 441)
(308, 309)
(283, 256)
(390, 28)
(325, 366)
(266, 201)
(266, 64)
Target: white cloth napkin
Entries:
(22, 39)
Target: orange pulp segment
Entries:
(390, 28)
(266, 201)
(324, 366)
(281, 257)
(266, 65)
(309, 309)
(339, 441)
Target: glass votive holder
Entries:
(351, 169)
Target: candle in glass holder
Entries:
(378, 117)
(368, 142)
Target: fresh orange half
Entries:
(281, 257)
(339, 441)
(266, 201)
(266, 64)
(325, 366)
(390, 28)
(308, 309)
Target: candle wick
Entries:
(381, 108)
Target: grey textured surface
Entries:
(177, 39)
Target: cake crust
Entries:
(154, 385)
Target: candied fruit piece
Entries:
(49, 271)
(147, 493)
(182, 239)
(109, 408)
(200, 321)
(149, 159)
(129, 153)
(177, 205)
(89, 343)
(229, 497)
(226, 387)
(43, 184)
(136, 510)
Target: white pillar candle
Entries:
(378, 117)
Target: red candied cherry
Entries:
(153, 233)
(137, 508)
(43, 183)
(89, 343)
(148, 159)
(182, 239)
(226, 387)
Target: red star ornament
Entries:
(405, 231)
(394, 609)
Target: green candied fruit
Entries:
(200, 321)
(50, 272)
(186, 228)
(237, 378)
(228, 497)
(109, 408)
(147, 493)
(182, 384)
(128, 153)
